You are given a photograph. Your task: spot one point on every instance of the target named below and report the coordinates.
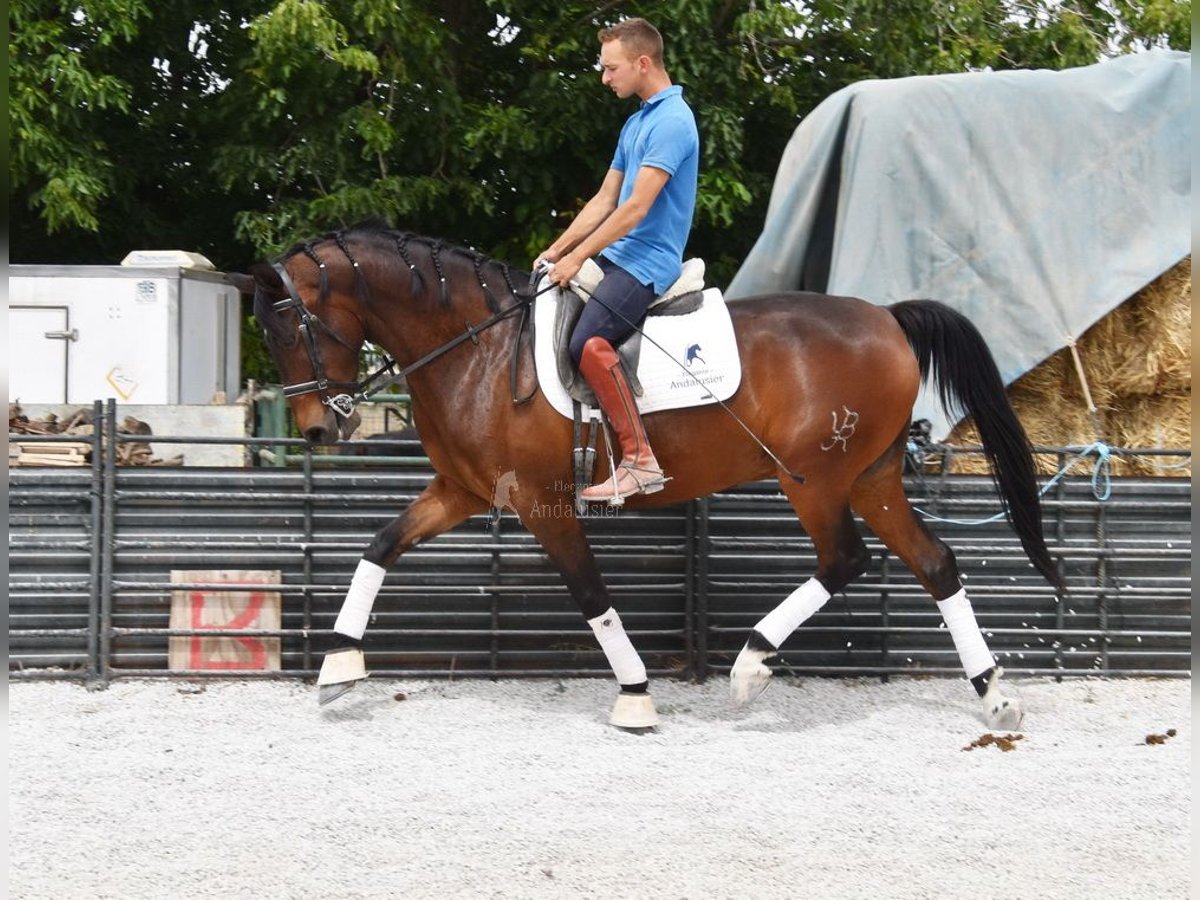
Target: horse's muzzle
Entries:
(332, 428)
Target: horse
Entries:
(455, 320)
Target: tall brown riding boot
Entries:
(639, 472)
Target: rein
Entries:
(386, 375)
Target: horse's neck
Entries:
(430, 326)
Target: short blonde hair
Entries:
(638, 37)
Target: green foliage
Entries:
(59, 83)
(115, 108)
(256, 358)
(236, 129)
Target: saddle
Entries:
(683, 297)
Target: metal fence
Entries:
(91, 552)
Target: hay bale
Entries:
(1050, 420)
(1156, 423)
(1137, 361)
(1050, 405)
(1144, 346)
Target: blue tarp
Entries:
(1034, 202)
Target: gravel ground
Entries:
(821, 789)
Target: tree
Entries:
(239, 128)
(472, 120)
(59, 87)
(114, 112)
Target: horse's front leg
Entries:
(441, 506)
(552, 521)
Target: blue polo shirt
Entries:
(662, 134)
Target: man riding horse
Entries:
(637, 224)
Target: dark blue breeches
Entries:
(619, 301)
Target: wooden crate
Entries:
(217, 609)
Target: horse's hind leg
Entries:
(841, 557)
(441, 506)
(878, 496)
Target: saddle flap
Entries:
(588, 278)
(570, 308)
(679, 305)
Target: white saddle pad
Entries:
(688, 360)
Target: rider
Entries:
(638, 223)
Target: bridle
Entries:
(351, 393)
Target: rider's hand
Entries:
(566, 269)
(545, 259)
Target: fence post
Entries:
(108, 539)
(270, 420)
(494, 599)
(884, 608)
(689, 590)
(95, 680)
(1060, 494)
(307, 570)
(703, 548)
(1102, 581)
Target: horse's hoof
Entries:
(749, 677)
(1000, 712)
(341, 670)
(1003, 713)
(634, 713)
(327, 693)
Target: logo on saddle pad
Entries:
(696, 376)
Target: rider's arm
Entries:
(619, 222)
(594, 212)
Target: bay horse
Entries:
(452, 318)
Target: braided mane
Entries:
(374, 235)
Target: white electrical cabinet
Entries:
(162, 334)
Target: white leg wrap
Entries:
(625, 662)
(787, 616)
(356, 608)
(964, 630)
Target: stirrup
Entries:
(650, 482)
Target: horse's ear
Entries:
(267, 277)
(261, 276)
(244, 283)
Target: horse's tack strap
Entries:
(307, 321)
(471, 334)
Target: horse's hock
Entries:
(1137, 362)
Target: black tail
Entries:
(951, 351)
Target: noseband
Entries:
(343, 403)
